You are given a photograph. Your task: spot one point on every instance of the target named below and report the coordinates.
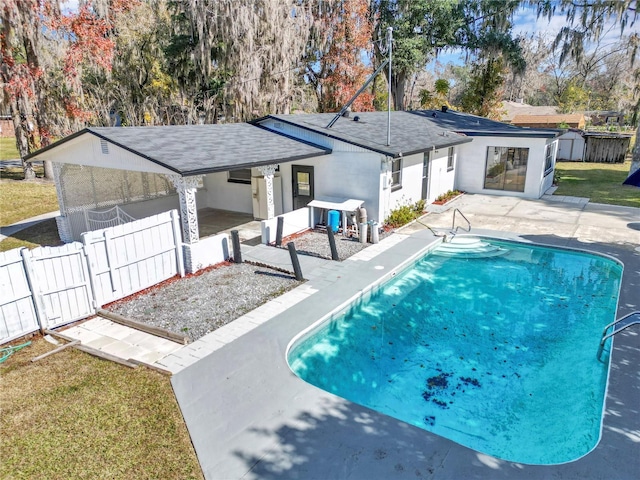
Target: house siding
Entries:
(349, 172)
(470, 172)
(440, 179)
(87, 150)
(224, 195)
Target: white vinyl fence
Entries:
(51, 286)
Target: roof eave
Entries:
(204, 171)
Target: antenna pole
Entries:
(389, 41)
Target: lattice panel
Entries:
(94, 187)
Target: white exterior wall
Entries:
(440, 179)
(472, 158)
(224, 195)
(87, 150)
(349, 172)
(571, 147)
(411, 182)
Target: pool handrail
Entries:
(454, 229)
(606, 336)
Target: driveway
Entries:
(250, 417)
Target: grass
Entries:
(21, 199)
(600, 182)
(8, 149)
(72, 415)
(43, 233)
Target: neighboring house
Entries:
(604, 117)
(560, 120)
(280, 163)
(511, 109)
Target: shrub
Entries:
(445, 197)
(405, 213)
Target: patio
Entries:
(213, 221)
(249, 416)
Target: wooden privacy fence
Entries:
(51, 286)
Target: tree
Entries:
(438, 97)
(424, 28)
(421, 28)
(592, 17)
(340, 36)
(261, 45)
(45, 52)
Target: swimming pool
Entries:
(494, 351)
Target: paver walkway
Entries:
(121, 341)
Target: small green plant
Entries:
(449, 195)
(405, 213)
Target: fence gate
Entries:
(62, 286)
(17, 309)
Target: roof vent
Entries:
(346, 113)
(356, 118)
(104, 146)
(434, 114)
(444, 109)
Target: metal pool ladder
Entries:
(454, 228)
(605, 336)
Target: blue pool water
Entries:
(497, 354)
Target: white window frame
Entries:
(396, 173)
(239, 175)
(450, 158)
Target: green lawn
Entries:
(72, 415)
(21, 199)
(600, 182)
(8, 150)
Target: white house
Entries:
(280, 163)
(430, 152)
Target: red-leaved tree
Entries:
(44, 53)
(335, 67)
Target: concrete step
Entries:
(468, 247)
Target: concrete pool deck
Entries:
(250, 417)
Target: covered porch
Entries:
(212, 221)
(208, 172)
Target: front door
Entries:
(302, 185)
(425, 175)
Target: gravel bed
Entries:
(316, 243)
(198, 304)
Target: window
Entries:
(548, 159)
(506, 168)
(242, 175)
(396, 174)
(450, 159)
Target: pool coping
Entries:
(249, 416)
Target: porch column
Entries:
(268, 171)
(187, 187)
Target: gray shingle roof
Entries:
(473, 125)
(409, 133)
(200, 149)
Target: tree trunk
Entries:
(398, 86)
(21, 128)
(48, 169)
